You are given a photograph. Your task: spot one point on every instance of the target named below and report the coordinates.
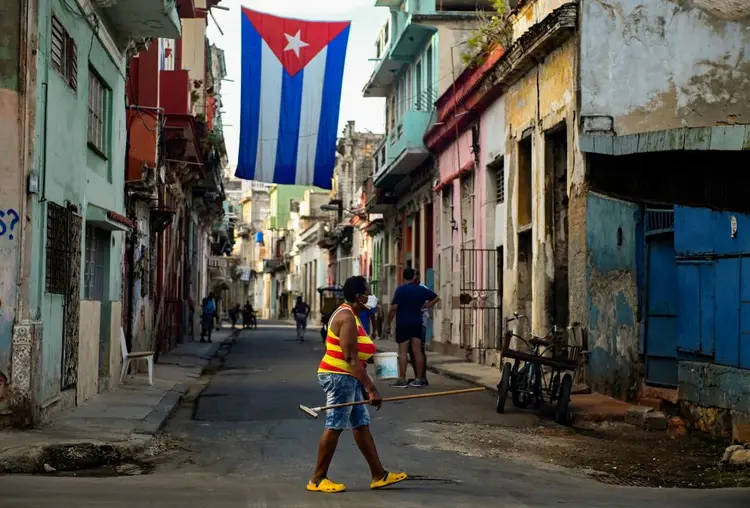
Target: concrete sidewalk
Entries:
(120, 422)
(584, 407)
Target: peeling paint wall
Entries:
(612, 283)
(542, 100)
(11, 188)
(665, 64)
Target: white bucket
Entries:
(386, 365)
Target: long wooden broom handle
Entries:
(404, 397)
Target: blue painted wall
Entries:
(613, 244)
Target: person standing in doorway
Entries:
(208, 316)
(409, 300)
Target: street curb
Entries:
(89, 454)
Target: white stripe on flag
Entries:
(312, 101)
(270, 111)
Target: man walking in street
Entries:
(209, 314)
(409, 301)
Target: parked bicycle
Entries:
(541, 374)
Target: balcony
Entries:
(143, 127)
(144, 18)
(405, 148)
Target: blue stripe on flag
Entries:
(252, 46)
(325, 156)
(285, 172)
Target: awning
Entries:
(107, 219)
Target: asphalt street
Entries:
(246, 444)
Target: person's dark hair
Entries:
(354, 286)
(409, 274)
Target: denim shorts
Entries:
(341, 388)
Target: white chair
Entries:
(128, 357)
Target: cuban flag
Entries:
(292, 74)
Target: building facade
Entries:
(418, 56)
(595, 225)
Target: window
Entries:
(97, 243)
(97, 113)
(500, 182)
(64, 54)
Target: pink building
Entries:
(469, 142)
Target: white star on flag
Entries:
(295, 43)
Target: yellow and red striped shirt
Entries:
(334, 362)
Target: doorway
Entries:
(661, 305)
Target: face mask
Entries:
(372, 302)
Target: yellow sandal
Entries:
(389, 479)
(326, 485)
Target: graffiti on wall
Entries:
(8, 221)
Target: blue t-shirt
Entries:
(410, 298)
(364, 318)
(209, 306)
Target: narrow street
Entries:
(243, 443)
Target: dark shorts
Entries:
(404, 333)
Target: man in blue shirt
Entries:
(409, 301)
(207, 319)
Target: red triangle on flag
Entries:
(294, 42)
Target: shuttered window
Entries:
(97, 113)
(64, 53)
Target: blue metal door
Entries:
(661, 308)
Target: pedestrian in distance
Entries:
(248, 316)
(234, 315)
(208, 316)
(343, 376)
(408, 303)
(301, 312)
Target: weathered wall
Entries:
(448, 45)
(492, 129)
(141, 315)
(447, 316)
(114, 358)
(665, 63)
(72, 173)
(612, 276)
(716, 399)
(88, 351)
(542, 100)
(11, 190)
(532, 13)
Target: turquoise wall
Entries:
(613, 243)
(70, 172)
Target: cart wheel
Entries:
(563, 402)
(522, 399)
(502, 388)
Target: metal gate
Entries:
(480, 297)
(72, 304)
